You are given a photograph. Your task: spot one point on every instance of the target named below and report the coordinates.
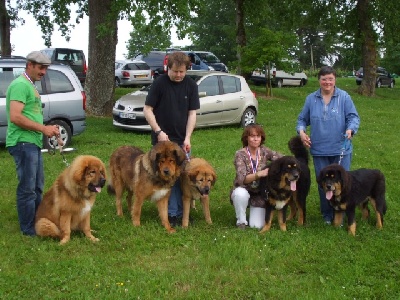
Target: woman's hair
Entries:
(325, 70)
(179, 59)
(252, 129)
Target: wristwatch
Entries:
(157, 132)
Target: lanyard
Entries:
(254, 167)
(30, 80)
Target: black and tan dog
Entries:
(145, 175)
(66, 206)
(197, 179)
(298, 204)
(288, 183)
(347, 189)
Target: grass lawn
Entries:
(218, 261)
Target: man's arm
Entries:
(151, 119)
(20, 120)
(191, 123)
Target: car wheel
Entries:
(378, 84)
(279, 83)
(358, 82)
(301, 83)
(117, 82)
(391, 85)
(248, 117)
(65, 135)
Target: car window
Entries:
(208, 57)
(230, 84)
(8, 74)
(136, 66)
(210, 86)
(69, 55)
(58, 82)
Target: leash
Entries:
(345, 142)
(60, 144)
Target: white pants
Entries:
(240, 198)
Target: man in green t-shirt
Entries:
(24, 138)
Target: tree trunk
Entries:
(99, 83)
(368, 45)
(240, 33)
(5, 29)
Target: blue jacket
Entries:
(329, 122)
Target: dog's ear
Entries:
(179, 154)
(155, 161)
(345, 180)
(192, 176)
(214, 176)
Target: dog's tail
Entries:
(298, 149)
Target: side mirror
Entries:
(202, 94)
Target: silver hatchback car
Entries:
(63, 98)
(224, 99)
(132, 72)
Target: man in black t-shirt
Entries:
(170, 110)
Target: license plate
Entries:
(127, 115)
(140, 76)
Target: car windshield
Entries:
(208, 57)
(136, 66)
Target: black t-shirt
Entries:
(171, 102)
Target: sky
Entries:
(28, 37)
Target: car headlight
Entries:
(116, 104)
(211, 68)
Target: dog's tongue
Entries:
(329, 195)
(98, 189)
(293, 185)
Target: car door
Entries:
(233, 98)
(211, 102)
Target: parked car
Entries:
(72, 57)
(196, 62)
(155, 59)
(224, 99)
(211, 60)
(132, 72)
(383, 77)
(279, 78)
(63, 98)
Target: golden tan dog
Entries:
(145, 175)
(197, 179)
(67, 204)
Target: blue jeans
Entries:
(319, 163)
(29, 166)
(175, 206)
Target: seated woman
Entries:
(250, 164)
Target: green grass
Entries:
(217, 261)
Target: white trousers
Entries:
(240, 198)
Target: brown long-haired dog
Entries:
(67, 204)
(197, 179)
(145, 175)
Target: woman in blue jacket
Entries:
(333, 120)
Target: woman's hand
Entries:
(305, 139)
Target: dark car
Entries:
(383, 77)
(210, 59)
(155, 60)
(72, 57)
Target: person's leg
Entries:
(240, 199)
(175, 206)
(29, 167)
(326, 209)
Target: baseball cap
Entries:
(38, 57)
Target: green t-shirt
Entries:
(22, 90)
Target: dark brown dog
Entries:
(197, 179)
(145, 175)
(67, 204)
(347, 189)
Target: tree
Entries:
(145, 37)
(8, 18)
(103, 17)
